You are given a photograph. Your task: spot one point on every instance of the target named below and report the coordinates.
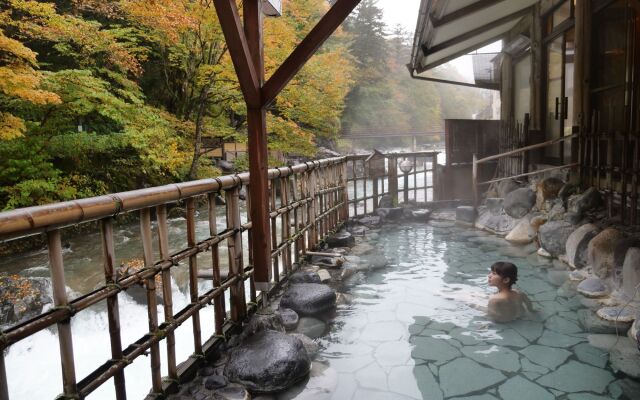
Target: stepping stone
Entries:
(531, 330)
(578, 377)
(534, 368)
(308, 298)
(268, 361)
(591, 355)
(509, 338)
(594, 324)
(593, 288)
(617, 314)
(562, 325)
(518, 388)
(463, 376)
(546, 356)
(499, 358)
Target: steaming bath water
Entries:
(411, 331)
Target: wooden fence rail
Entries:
(312, 198)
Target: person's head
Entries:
(503, 274)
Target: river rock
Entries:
(308, 298)
(494, 204)
(507, 186)
(288, 317)
(519, 202)
(310, 345)
(567, 190)
(618, 314)
(466, 214)
(584, 202)
(536, 222)
(386, 201)
(214, 382)
(593, 287)
(620, 252)
(601, 250)
(577, 244)
(547, 189)
(327, 262)
(371, 221)
(420, 215)
(390, 214)
(553, 236)
(268, 362)
(631, 274)
(21, 298)
(522, 233)
(259, 322)
(500, 224)
(592, 323)
(341, 239)
(304, 277)
(556, 210)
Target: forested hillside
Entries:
(98, 96)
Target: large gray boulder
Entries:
(507, 186)
(631, 274)
(587, 201)
(553, 236)
(600, 252)
(620, 252)
(547, 189)
(466, 214)
(499, 224)
(519, 202)
(341, 239)
(577, 243)
(268, 362)
(308, 298)
(304, 277)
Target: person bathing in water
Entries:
(508, 304)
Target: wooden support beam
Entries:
(314, 39)
(239, 49)
(474, 32)
(463, 12)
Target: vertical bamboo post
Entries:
(234, 244)
(218, 301)
(113, 314)
(193, 274)
(393, 180)
(296, 219)
(167, 296)
(152, 301)
(60, 301)
(286, 222)
(364, 181)
(345, 192)
(274, 238)
(474, 180)
(312, 185)
(355, 187)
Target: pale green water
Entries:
(411, 332)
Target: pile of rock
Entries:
(570, 225)
(22, 298)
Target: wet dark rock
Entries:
(341, 239)
(310, 345)
(328, 262)
(577, 244)
(494, 204)
(215, 382)
(519, 202)
(593, 287)
(390, 214)
(22, 298)
(507, 186)
(553, 236)
(268, 362)
(289, 318)
(600, 252)
(421, 215)
(308, 298)
(593, 324)
(231, 392)
(259, 322)
(386, 201)
(587, 201)
(371, 221)
(206, 371)
(466, 214)
(500, 224)
(304, 277)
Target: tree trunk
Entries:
(193, 171)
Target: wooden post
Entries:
(355, 187)
(474, 180)
(193, 274)
(258, 156)
(56, 267)
(286, 223)
(4, 388)
(234, 244)
(434, 180)
(311, 219)
(167, 296)
(218, 302)
(274, 237)
(345, 192)
(393, 179)
(152, 301)
(113, 312)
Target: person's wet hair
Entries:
(506, 270)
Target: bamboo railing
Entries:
(476, 162)
(312, 198)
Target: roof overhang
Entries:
(447, 29)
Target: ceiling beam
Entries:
(463, 12)
(474, 32)
(239, 50)
(469, 49)
(314, 39)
